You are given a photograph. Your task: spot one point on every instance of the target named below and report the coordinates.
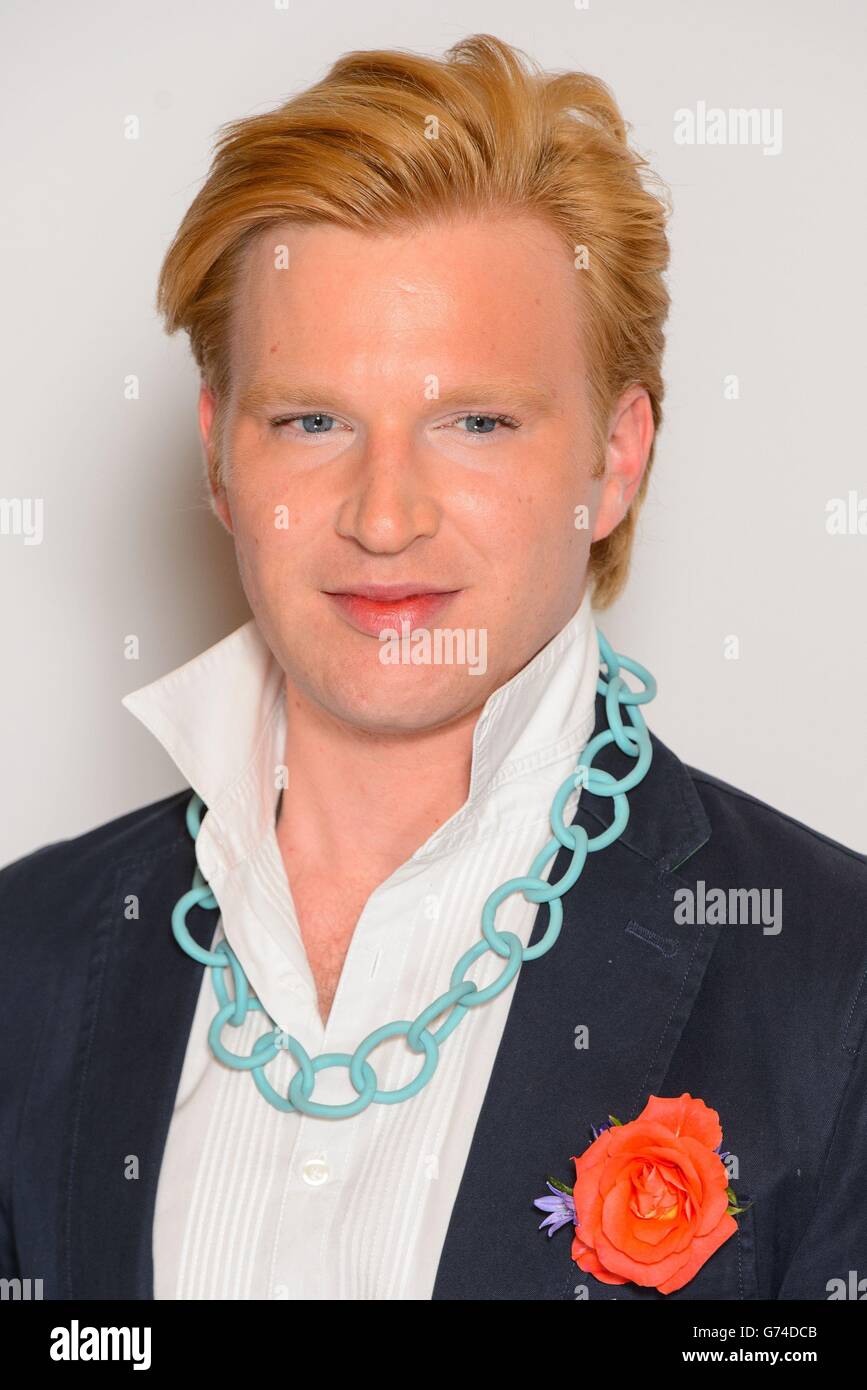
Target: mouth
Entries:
(372, 608)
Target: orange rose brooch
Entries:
(652, 1200)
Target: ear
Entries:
(207, 412)
(630, 436)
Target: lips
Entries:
(372, 608)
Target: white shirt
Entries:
(255, 1203)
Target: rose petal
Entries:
(685, 1115)
(702, 1249)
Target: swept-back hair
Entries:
(393, 139)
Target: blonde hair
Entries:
(355, 149)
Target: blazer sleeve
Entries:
(8, 1091)
(831, 1260)
(22, 958)
(8, 1258)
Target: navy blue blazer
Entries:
(767, 1028)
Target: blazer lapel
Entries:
(137, 1018)
(623, 971)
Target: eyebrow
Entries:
(505, 392)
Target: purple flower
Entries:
(561, 1209)
(600, 1129)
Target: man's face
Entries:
(442, 442)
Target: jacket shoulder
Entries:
(819, 890)
(54, 868)
(737, 814)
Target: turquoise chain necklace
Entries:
(462, 995)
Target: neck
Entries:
(371, 799)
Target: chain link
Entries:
(462, 994)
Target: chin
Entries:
(396, 701)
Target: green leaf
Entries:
(614, 1120)
(736, 1210)
(560, 1186)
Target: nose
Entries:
(389, 496)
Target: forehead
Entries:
(450, 295)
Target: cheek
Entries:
(520, 520)
(263, 548)
(536, 543)
(269, 502)
(266, 513)
(255, 529)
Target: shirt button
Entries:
(315, 1172)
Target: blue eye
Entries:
(318, 425)
(480, 423)
(485, 424)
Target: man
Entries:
(426, 299)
